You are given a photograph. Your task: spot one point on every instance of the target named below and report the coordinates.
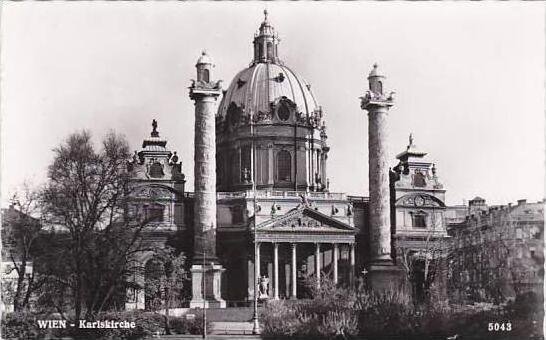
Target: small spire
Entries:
(411, 139)
(265, 14)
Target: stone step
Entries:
(240, 328)
(232, 314)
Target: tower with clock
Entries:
(418, 199)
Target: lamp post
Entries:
(255, 321)
(203, 282)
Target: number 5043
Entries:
(499, 326)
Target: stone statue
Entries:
(304, 200)
(246, 175)
(349, 210)
(154, 128)
(174, 158)
(264, 288)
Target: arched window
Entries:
(284, 166)
(260, 50)
(206, 75)
(269, 51)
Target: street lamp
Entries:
(255, 322)
(203, 285)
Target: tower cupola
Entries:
(376, 80)
(204, 66)
(265, 43)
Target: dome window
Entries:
(283, 111)
(284, 166)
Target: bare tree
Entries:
(87, 197)
(425, 261)
(21, 229)
(166, 283)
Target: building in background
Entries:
(497, 252)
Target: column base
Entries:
(212, 273)
(384, 275)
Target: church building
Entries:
(262, 210)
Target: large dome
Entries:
(254, 88)
(270, 109)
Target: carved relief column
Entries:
(317, 263)
(336, 256)
(294, 272)
(204, 93)
(276, 270)
(378, 105)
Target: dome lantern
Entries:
(265, 43)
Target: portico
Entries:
(300, 244)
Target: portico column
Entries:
(352, 259)
(257, 264)
(276, 270)
(294, 272)
(336, 255)
(317, 263)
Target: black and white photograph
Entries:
(272, 170)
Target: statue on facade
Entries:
(174, 158)
(246, 175)
(263, 288)
(154, 128)
(304, 200)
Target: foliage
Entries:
(24, 326)
(337, 312)
(182, 325)
(329, 314)
(20, 325)
(166, 279)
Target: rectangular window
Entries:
(419, 220)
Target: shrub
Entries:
(181, 325)
(21, 325)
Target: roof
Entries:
(255, 87)
(204, 58)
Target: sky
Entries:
(469, 81)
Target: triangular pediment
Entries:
(305, 219)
